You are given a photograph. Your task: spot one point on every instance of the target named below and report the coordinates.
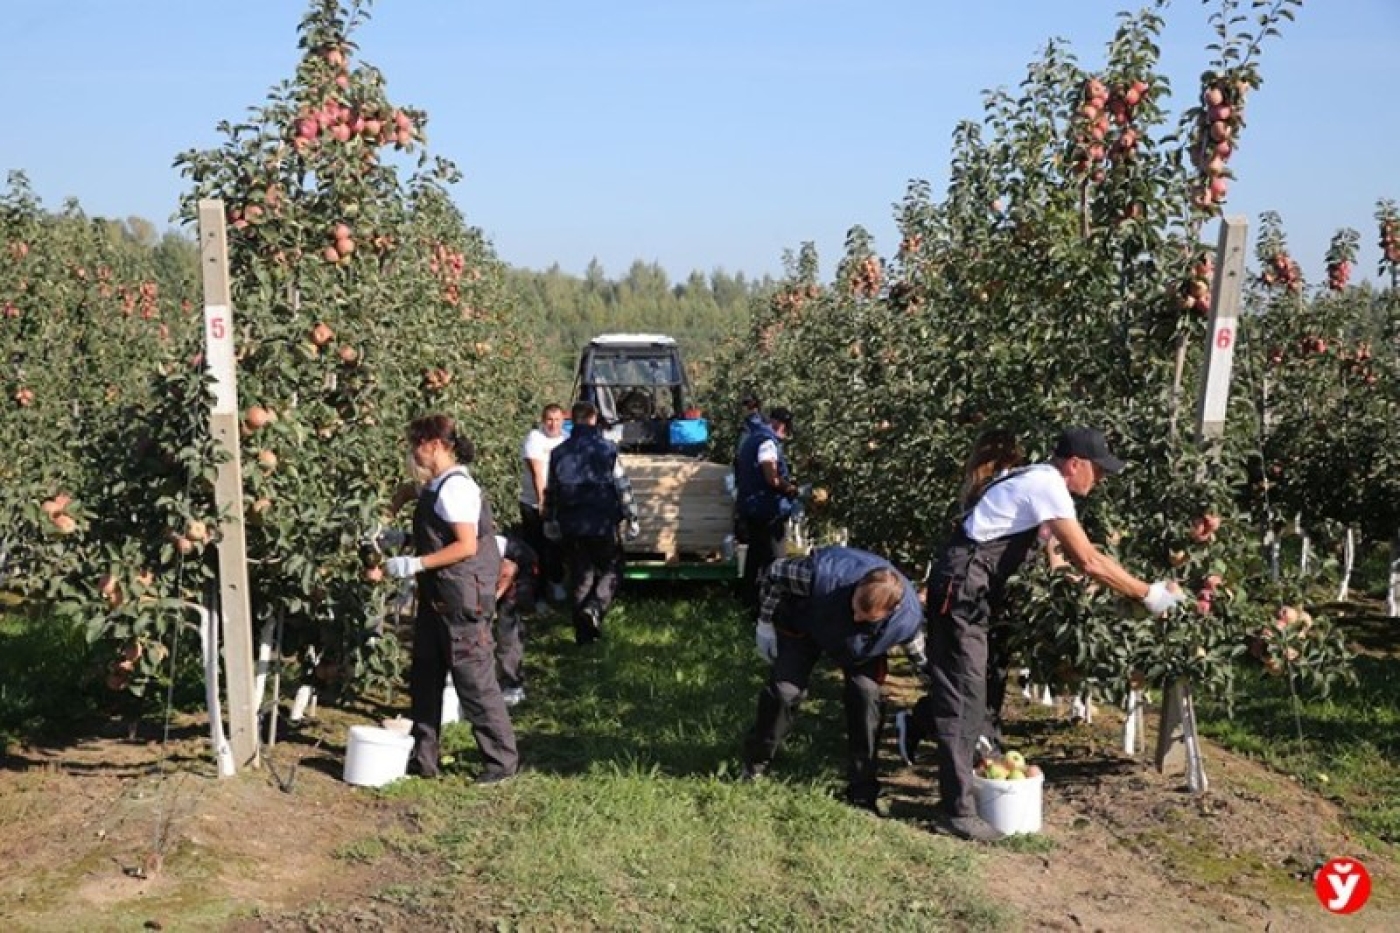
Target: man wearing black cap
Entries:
(765, 495)
(966, 594)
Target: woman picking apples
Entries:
(966, 596)
(456, 567)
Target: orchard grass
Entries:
(45, 682)
(628, 814)
(1350, 741)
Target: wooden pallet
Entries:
(683, 506)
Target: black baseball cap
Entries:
(1088, 444)
(781, 415)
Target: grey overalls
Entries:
(452, 633)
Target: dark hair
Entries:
(995, 450)
(442, 428)
(550, 409)
(584, 412)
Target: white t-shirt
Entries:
(1036, 495)
(458, 502)
(537, 446)
(768, 452)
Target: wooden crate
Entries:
(683, 505)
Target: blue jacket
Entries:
(751, 421)
(826, 616)
(758, 501)
(582, 492)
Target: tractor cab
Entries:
(638, 383)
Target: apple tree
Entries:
(1061, 280)
(362, 299)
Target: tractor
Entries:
(638, 384)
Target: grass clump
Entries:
(629, 816)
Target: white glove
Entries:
(766, 640)
(1159, 599)
(552, 532)
(914, 650)
(633, 530)
(403, 566)
(390, 539)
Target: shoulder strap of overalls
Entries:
(961, 520)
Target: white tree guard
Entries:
(1392, 602)
(209, 648)
(263, 665)
(303, 701)
(1134, 735)
(1082, 707)
(1195, 763)
(1348, 562)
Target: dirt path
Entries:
(1126, 848)
(138, 832)
(123, 833)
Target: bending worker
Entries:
(853, 607)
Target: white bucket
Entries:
(1010, 806)
(451, 706)
(374, 756)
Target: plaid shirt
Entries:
(792, 576)
(623, 485)
(786, 576)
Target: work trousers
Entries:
(510, 638)
(595, 572)
(766, 544)
(551, 561)
(457, 643)
(956, 706)
(780, 699)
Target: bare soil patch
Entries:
(115, 831)
(1127, 848)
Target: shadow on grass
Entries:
(673, 686)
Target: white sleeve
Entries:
(768, 452)
(459, 502)
(1050, 499)
(536, 447)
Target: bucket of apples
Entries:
(1008, 791)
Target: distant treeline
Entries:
(566, 310)
(571, 309)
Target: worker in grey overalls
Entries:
(455, 565)
(967, 592)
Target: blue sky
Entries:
(699, 135)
